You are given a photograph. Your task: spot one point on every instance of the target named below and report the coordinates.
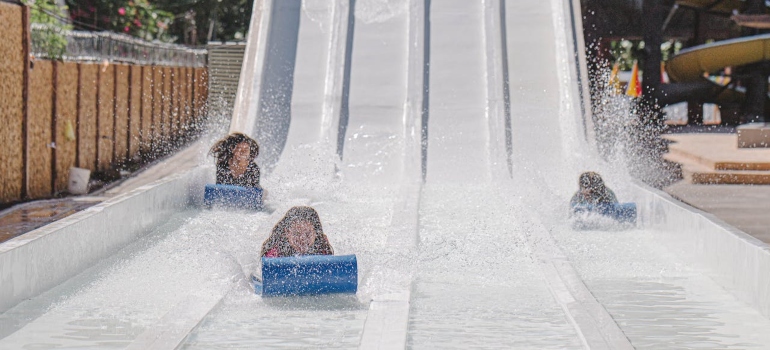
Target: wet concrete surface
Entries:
(25, 217)
(29, 216)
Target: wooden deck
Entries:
(747, 207)
(709, 158)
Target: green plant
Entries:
(624, 52)
(138, 18)
(48, 24)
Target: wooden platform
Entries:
(747, 207)
(716, 159)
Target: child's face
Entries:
(241, 152)
(301, 236)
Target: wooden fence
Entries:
(56, 115)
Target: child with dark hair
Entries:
(299, 232)
(235, 160)
(592, 191)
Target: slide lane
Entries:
(477, 283)
(357, 208)
(200, 255)
(656, 294)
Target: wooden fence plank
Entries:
(135, 111)
(157, 107)
(121, 114)
(11, 102)
(65, 136)
(106, 117)
(87, 132)
(166, 120)
(40, 108)
(148, 105)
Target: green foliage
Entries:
(47, 36)
(624, 52)
(138, 18)
(189, 22)
(228, 20)
(670, 48)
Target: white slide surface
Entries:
(461, 237)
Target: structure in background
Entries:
(694, 23)
(224, 66)
(113, 102)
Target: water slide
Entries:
(690, 64)
(439, 140)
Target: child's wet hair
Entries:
(223, 149)
(590, 180)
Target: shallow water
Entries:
(477, 285)
(657, 297)
(29, 216)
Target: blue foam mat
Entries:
(307, 275)
(623, 212)
(233, 196)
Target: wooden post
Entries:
(128, 131)
(114, 117)
(77, 116)
(54, 130)
(95, 166)
(25, 39)
(694, 113)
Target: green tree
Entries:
(138, 18)
(195, 21)
(48, 23)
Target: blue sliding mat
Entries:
(622, 212)
(233, 196)
(308, 275)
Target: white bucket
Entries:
(78, 180)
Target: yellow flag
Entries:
(634, 88)
(614, 82)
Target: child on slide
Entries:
(235, 161)
(592, 192)
(299, 232)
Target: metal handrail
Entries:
(115, 47)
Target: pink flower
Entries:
(122, 11)
(137, 23)
(126, 29)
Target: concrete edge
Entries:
(173, 328)
(39, 260)
(737, 261)
(593, 324)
